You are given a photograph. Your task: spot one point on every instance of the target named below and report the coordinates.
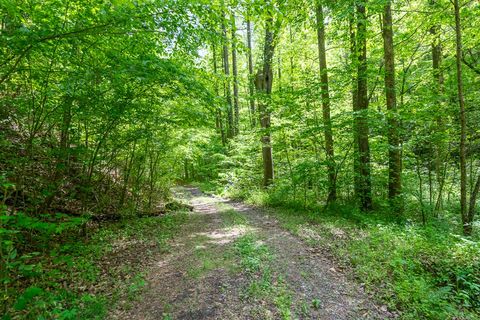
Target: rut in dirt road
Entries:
(233, 261)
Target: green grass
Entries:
(230, 217)
(256, 260)
(422, 272)
(205, 261)
(75, 280)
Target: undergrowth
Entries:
(420, 272)
(48, 274)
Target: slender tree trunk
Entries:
(292, 62)
(353, 62)
(394, 151)
(226, 70)
(279, 71)
(440, 146)
(327, 123)
(467, 227)
(251, 80)
(361, 112)
(218, 115)
(420, 191)
(439, 88)
(473, 202)
(235, 78)
(263, 84)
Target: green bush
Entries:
(424, 272)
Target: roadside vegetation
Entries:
(420, 271)
(57, 276)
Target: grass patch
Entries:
(424, 272)
(205, 261)
(230, 217)
(264, 284)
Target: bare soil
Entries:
(200, 277)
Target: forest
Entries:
(239, 159)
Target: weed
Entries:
(316, 304)
(256, 261)
(35, 282)
(424, 272)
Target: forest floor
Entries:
(235, 261)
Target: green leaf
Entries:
(27, 297)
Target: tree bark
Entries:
(467, 228)
(218, 115)
(236, 124)
(263, 84)
(394, 149)
(471, 208)
(440, 146)
(226, 70)
(361, 112)
(251, 80)
(327, 123)
(353, 64)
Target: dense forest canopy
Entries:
(367, 105)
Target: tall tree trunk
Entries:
(439, 89)
(235, 77)
(361, 112)
(440, 147)
(394, 152)
(218, 115)
(327, 123)
(353, 64)
(263, 84)
(226, 70)
(467, 224)
(251, 80)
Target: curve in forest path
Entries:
(234, 261)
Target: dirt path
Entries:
(233, 261)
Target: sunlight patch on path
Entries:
(225, 235)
